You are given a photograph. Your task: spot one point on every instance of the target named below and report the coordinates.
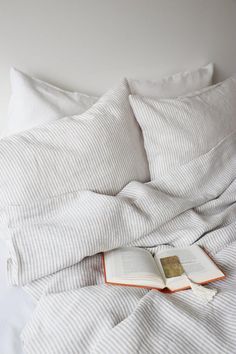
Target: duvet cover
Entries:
(56, 247)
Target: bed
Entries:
(127, 170)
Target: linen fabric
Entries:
(78, 313)
(101, 150)
(178, 130)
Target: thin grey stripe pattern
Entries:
(52, 238)
(178, 130)
(101, 150)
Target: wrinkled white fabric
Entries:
(54, 255)
(16, 306)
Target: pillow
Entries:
(35, 102)
(178, 130)
(174, 86)
(101, 150)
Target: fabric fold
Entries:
(57, 233)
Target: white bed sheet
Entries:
(15, 309)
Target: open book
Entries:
(169, 270)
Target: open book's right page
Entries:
(197, 265)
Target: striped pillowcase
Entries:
(101, 150)
(177, 130)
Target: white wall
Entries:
(88, 44)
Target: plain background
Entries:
(88, 45)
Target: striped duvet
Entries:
(60, 263)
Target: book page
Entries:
(196, 264)
(132, 265)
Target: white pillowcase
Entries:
(101, 150)
(174, 86)
(35, 102)
(178, 130)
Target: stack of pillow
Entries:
(68, 141)
(34, 102)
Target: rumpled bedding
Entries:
(55, 254)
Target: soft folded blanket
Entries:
(51, 240)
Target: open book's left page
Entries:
(132, 266)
